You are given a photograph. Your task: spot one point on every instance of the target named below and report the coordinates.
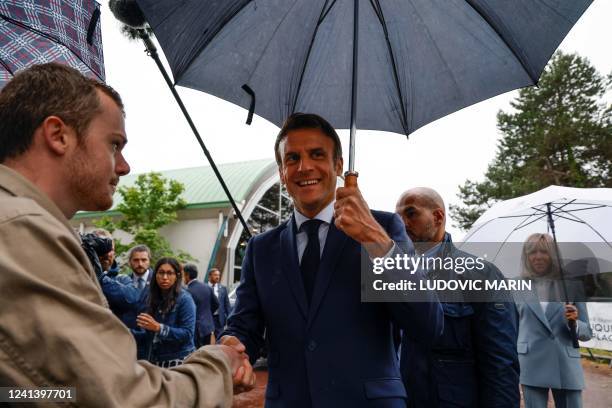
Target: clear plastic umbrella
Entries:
(578, 219)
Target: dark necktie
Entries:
(311, 256)
(140, 283)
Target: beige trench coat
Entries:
(56, 328)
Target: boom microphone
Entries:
(128, 12)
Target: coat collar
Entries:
(326, 215)
(17, 185)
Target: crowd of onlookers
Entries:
(169, 311)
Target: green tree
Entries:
(146, 207)
(558, 133)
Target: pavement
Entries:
(598, 380)
(598, 392)
(254, 398)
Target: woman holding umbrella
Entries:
(168, 325)
(547, 358)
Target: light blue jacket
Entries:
(546, 355)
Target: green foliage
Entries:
(146, 207)
(558, 133)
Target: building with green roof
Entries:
(207, 228)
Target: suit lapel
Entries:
(331, 254)
(531, 300)
(291, 267)
(536, 307)
(552, 310)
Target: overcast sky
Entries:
(441, 155)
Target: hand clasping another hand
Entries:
(242, 371)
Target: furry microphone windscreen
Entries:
(128, 12)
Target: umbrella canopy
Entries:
(579, 215)
(418, 60)
(579, 219)
(39, 31)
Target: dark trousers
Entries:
(218, 327)
(202, 340)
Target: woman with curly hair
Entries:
(167, 324)
(547, 357)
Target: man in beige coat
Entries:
(61, 138)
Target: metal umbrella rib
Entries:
(220, 27)
(324, 14)
(520, 57)
(381, 18)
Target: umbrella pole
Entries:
(350, 177)
(152, 51)
(571, 323)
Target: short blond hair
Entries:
(534, 243)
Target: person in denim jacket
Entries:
(167, 322)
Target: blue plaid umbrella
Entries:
(39, 31)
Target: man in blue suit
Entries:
(474, 362)
(126, 293)
(220, 291)
(301, 284)
(206, 304)
(122, 295)
(139, 259)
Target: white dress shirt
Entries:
(301, 238)
(144, 276)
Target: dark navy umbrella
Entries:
(391, 65)
(40, 31)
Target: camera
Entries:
(95, 246)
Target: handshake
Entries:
(242, 371)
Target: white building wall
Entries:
(197, 237)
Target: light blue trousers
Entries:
(537, 397)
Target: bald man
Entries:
(474, 363)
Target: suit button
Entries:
(312, 345)
(552, 336)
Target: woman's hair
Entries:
(157, 300)
(537, 242)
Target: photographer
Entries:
(123, 297)
(107, 257)
(61, 142)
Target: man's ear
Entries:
(56, 135)
(439, 215)
(339, 165)
(281, 175)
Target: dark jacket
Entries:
(337, 352)
(124, 299)
(206, 304)
(474, 362)
(224, 305)
(175, 340)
